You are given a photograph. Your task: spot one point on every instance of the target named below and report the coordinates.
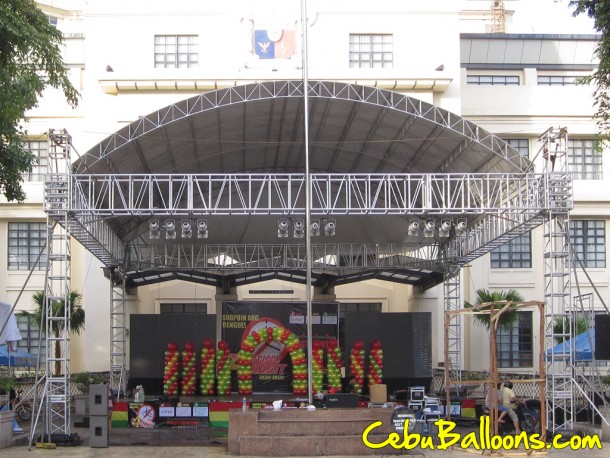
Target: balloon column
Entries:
(223, 369)
(244, 365)
(299, 364)
(206, 386)
(317, 366)
(171, 371)
(333, 366)
(357, 365)
(189, 369)
(268, 335)
(376, 363)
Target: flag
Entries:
(278, 44)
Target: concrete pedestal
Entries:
(6, 428)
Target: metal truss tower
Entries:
(559, 319)
(453, 344)
(57, 190)
(118, 333)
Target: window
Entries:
(25, 241)
(516, 254)
(176, 51)
(30, 337)
(184, 308)
(522, 145)
(39, 150)
(371, 50)
(588, 239)
(52, 21)
(492, 80)
(584, 160)
(514, 345)
(557, 81)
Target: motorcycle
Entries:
(528, 419)
(22, 407)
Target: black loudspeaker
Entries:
(602, 337)
(341, 400)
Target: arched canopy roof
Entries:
(258, 128)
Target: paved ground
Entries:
(212, 444)
(221, 452)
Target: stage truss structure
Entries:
(496, 206)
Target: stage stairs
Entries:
(289, 432)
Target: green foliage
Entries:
(508, 317)
(30, 61)
(7, 380)
(87, 378)
(599, 11)
(38, 317)
(561, 325)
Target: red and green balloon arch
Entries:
(268, 335)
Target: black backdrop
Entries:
(148, 339)
(406, 340)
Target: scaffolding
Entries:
(57, 291)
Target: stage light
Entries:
(429, 228)
(298, 228)
(202, 229)
(315, 227)
(461, 226)
(170, 229)
(329, 227)
(153, 227)
(443, 230)
(282, 227)
(414, 229)
(187, 229)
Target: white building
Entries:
(129, 59)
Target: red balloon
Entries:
(223, 345)
(171, 346)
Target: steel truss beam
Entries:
(284, 194)
(504, 206)
(329, 257)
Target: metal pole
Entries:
(307, 198)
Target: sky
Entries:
(548, 16)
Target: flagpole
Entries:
(307, 198)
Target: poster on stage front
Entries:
(271, 367)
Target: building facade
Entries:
(128, 59)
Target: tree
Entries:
(599, 11)
(38, 316)
(508, 318)
(30, 61)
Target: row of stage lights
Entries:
(326, 226)
(186, 228)
(444, 228)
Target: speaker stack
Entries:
(98, 416)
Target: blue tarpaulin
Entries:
(19, 358)
(583, 344)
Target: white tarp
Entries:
(10, 334)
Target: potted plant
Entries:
(84, 379)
